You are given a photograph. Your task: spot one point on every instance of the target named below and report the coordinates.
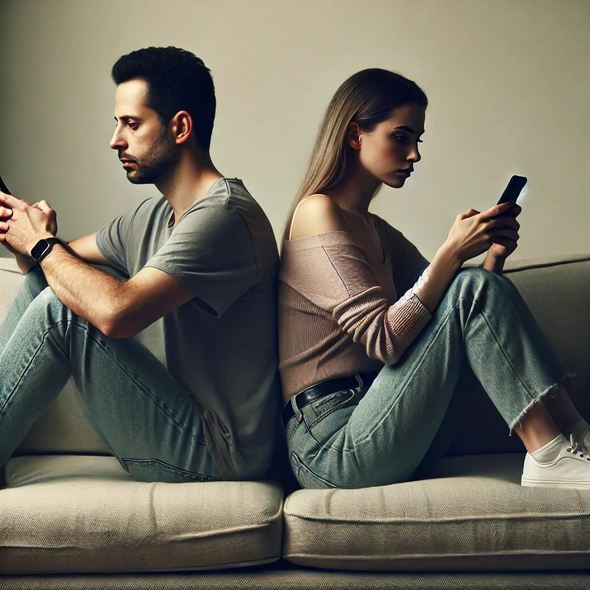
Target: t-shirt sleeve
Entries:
(115, 239)
(111, 241)
(210, 252)
(337, 277)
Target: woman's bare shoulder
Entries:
(316, 214)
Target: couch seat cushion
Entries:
(81, 514)
(472, 515)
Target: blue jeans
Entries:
(481, 329)
(150, 422)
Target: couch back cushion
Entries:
(556, 289)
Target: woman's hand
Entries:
(506, 244)
(474, 232)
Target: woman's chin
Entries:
(395, 181)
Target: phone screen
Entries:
(3, 187)
(513, 189)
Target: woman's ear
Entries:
(182, 126)
(353, 136)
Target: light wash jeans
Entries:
(151, 423)
(481, 329)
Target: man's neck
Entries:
(188, 182)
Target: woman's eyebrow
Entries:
(406, 128)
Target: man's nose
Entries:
(117, 141)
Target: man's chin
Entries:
(136, 179)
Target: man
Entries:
(203, 258)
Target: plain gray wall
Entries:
(508, 83)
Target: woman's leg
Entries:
(150, 422)
(384, 438)
(558, 403)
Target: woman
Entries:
(374, 340)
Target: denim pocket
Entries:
(306, 477)
(315, 412)
(156, 470)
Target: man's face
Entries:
(144, 145)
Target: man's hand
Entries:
(23, 225)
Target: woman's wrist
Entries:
(449, 257)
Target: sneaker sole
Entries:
(537, 483)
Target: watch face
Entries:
(39, 249)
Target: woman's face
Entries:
(391, 149)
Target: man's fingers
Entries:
(43, 206)
(5, 213)
(10, 201)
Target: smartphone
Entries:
(3, 187)
(513, 189)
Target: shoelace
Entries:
(575, 448)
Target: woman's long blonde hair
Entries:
(367, 98)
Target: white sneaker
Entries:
(570, 469)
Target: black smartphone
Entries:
(3, 187)
(513, 189)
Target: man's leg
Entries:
(150, 422)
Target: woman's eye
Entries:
(400, 138)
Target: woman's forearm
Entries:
(493, 263)
(441, 271)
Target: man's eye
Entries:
(133, 125)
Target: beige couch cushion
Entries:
(86, 514)
(473, 515)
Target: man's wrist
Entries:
(38, 237)
(43, 247)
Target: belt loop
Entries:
(296, 410)
(359, 380)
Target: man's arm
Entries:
(85, 248)
(119, 309)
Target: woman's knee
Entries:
(473, 279)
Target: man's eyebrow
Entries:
(126, 118)
(406, 128)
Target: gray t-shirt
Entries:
(221, 345)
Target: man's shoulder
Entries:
(230, 199)
(230, 193)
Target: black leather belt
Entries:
(309, 395)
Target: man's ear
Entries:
(353, 136)
(181, 126)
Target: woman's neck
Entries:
(356, 192)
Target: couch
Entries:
(71, 517)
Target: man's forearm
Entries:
(90, 293)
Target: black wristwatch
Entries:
(43, 247)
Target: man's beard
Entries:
(156, 164)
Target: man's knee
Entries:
(35, 281)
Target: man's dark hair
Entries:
(177, 80)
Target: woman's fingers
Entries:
(496, 210)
